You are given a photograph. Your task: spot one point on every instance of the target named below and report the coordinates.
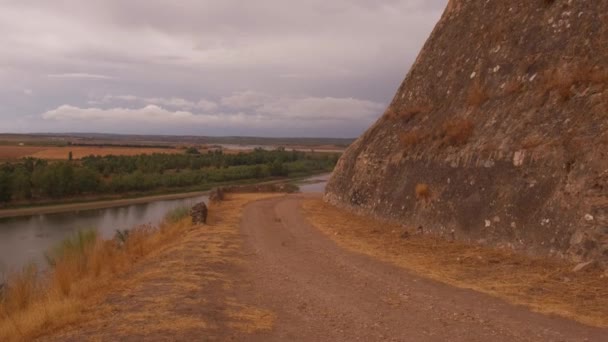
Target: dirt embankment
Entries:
(260, 272)
(60, 208)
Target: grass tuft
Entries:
(177, 214)
(423, 191)
(458, 131)
(80, 268)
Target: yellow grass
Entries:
(543, 285)
(37, 304)
(169, 256)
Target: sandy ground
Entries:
(260, 272)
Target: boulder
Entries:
(199, 213)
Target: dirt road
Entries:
(323, 293)
(280, 279)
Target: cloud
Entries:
(146, 115)
(326, 113)
(266, 59)
(80, 76)
(172, 102)
(245, 99)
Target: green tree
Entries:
(277, 169)
(5, 187)
(21, 186)
(192, 150)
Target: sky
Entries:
(277, 68)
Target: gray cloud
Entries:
(84, 76)
(317, 62)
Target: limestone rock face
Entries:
(502, 120)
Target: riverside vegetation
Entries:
(80, 268)
(35, 180)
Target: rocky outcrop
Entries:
(216, 195)
(199, 213)
(499, 132)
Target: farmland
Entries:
(8, 152)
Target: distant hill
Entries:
(160, 140)
(498, 134)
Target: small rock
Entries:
(582, 266)
(488, 223)
(588, 217)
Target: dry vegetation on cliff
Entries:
(545, 286)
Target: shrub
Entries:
(177, 215)
(415, 110)
(74, 246)
(564, 78)
(70, 259)
(20, 290)
(513, 86)
(411, 138)
(477, 94)
(423, 191)
(458, 131)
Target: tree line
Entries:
(36, 179)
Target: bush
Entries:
(423, 191)
(177, 215)
(458, 131)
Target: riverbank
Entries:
(104, 203)
(61, 208)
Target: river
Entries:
(25, 239)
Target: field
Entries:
(62, 152)
(18, 152)
(58, 147)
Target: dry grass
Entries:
(415, 110)
(458, 131)
(477, 94)
(82, 269)
(408, 112)
(514, 86)
(532, 141)
(542, 285)
(150, 278)
(183, 288)
(564, 78)
(412, 138)
(423, 191)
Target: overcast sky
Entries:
(206, 67)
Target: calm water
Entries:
(26, 239)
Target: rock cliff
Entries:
(498, 135)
